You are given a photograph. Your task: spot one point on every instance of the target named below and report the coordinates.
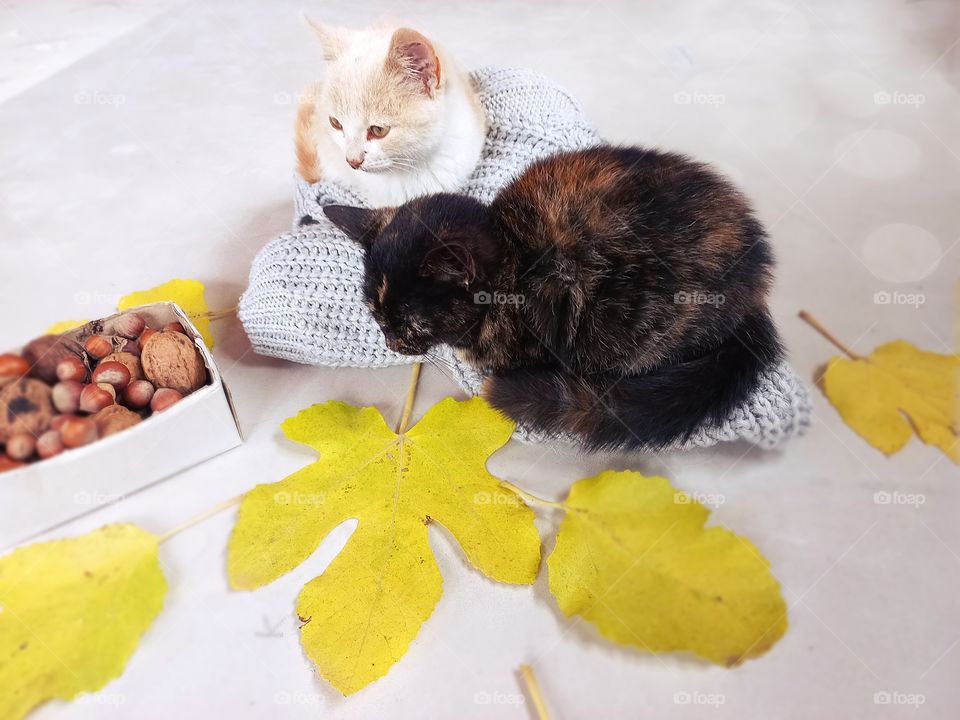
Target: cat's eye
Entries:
(335, 123)
(376, 132)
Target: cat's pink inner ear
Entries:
(414, 56)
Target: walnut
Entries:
(45, 352)
(114, 418)
(171, 360)
(25, 406)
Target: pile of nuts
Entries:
(60, 393)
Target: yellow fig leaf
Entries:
(360, 616)
(72, 612)
(896, 390)
(633, 557)
(188, 294)
(62, 326)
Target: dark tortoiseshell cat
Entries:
(617, 294)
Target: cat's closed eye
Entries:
(335, 123)
(377, 132)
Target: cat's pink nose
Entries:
(355, 162)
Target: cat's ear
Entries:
(332, 39)
(449, 262)
(414, 57)
(360, 224)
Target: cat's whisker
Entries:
(439, 359)
(403, 165)
(441, 365)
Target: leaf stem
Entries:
(411, 396)
(533, 688)
(815, 324)
(217, 314)
(200, 518)
(530, 497)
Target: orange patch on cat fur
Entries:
(587, 175)
(304, 144)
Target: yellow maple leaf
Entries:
(72, 612)
(633, 558)
(360, 616)
(188, 294)
(63, 326)
(895, 390)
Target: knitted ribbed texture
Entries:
(304, 301)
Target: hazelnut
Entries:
(8, 464)
(66, 396)
(98, 346)
(20, 446)
(109, 389)
(45, 353)
(72, 368)
(25, 406)
(131, 346)
(171, 360)
(164, 398)
(130, 360)
(175, 327)
(112, 373)
(49, 444)
(78, 431)
(147, 333)
(113, 419)
(95, 397)
(138, 394)
(58, 421)
(129, 326)
(12, 367)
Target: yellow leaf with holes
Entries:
(72, 612)
(633, 557)
(895, 391)
(360, 616)
(188, 294)
(63, 326)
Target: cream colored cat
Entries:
(394, 117)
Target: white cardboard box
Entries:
(44, 494)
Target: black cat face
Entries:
(424, 265)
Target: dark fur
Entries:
(603, 245)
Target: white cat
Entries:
(394, 118)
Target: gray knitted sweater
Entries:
(304, 301)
